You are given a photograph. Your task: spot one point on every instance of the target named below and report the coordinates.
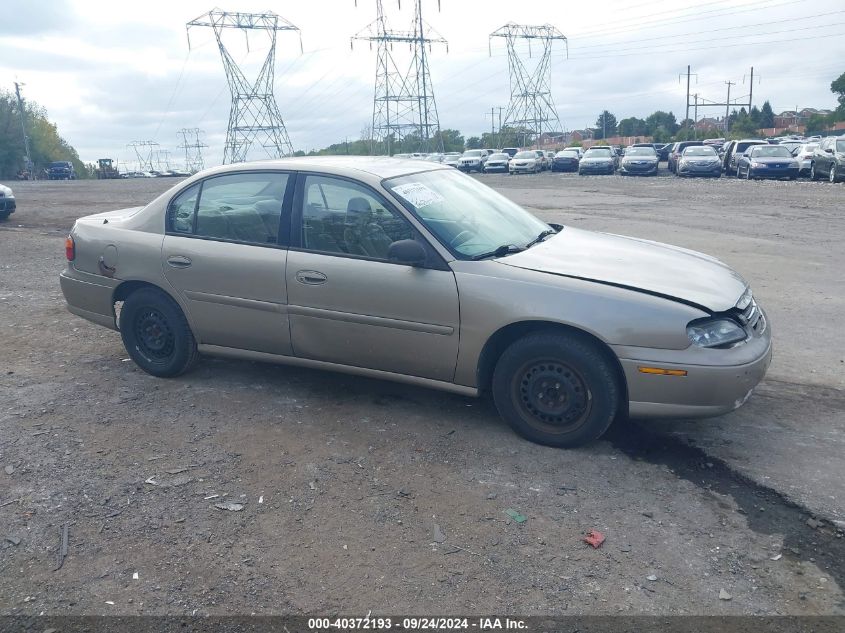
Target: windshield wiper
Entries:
(543, 235)
(504, 249)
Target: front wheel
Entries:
(833, 177)
(556, 389)
(748, 174)
(156, 334)
(813, 174)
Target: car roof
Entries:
(379, 166)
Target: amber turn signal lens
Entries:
(70, 248)
(660, 371)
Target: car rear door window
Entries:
(238, 207)
(340, 216)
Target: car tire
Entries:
(747, 174)
(832, 177)
(580, 386)
(156, 333)
(4, 215)
(813, 174)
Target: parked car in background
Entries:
(829, 159)
(398, 270)
(699, 160)
(613, 153)
(451, 159)
(550, 156)
(525, 162)
(542, 160)
(510, 151)
(804, 156)
(473, 160)
(639, 161)
(678, 149)
(61, 170)
(663, 151)
(434, 158)
(566, 160)
(733, 150)
(597, 160)
(767, 161)
(8, 204)
(578, 149)
(497, 162)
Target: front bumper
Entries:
(700, 170)
(774, 172)
(515, 169)
(706, 391)
(638, 170)
(502, 167)
(565, 166)
(595, 169)
(477, 166)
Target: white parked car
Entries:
(525, 162)
(804, 156)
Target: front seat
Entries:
(362, 235)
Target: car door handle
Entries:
(179, 261)
(310, 277)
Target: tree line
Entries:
(45, 143)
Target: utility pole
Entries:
(403, 100)
(728, 107)
(688, 74)
(751, 91)
(695, 117)
(531, 109)
(254, 116)
(23, 129)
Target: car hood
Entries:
(596, 160)
(6, 191)
(640, 159)
(661, 269)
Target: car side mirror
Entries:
(409, 252)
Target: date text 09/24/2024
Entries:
(373, 623)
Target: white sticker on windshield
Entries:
(418, 194)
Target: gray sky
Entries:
(110, 72)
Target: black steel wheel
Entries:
(556, 389)
(156, 334)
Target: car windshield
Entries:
(59, 164)
(741, 147)
(567, 153)
(840, 146)
(597, 153)
(640, 151)
(525, 155)
(499, 156)
(700, 151)
(474, 153)
(773, 151)
(466, 216)
(808, 148)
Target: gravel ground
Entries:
(362, 495)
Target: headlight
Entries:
(715, 333)
(756, 164)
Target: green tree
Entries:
(605, 125)
(837, 87)
(632, 126)
(817, 123)
(473, 142)
(45, 143)
(767, 115)
(744, 126)
(659, 119)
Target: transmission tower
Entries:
(192, 145)
(254, 117)
(531, 110)
(403, 101)
(144, 152)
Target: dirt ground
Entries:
(360, 495)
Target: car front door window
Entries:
(344, 218)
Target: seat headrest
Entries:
(358, 205)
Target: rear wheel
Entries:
(556, 389)
(156, 334)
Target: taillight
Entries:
(70, 248)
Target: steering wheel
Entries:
(460, 238)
